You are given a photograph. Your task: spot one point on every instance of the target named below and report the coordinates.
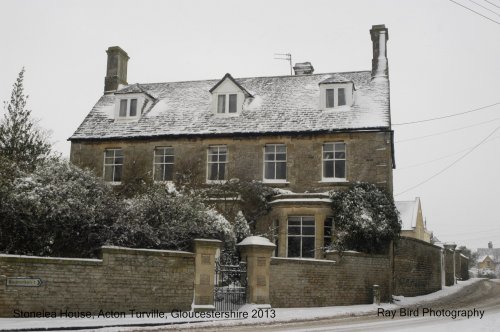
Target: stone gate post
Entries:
(205, 251)
(256, 251)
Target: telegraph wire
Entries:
(446, 131)
(446, 116)
(494, 12)
(450, 165)
(491, 3)
(486, 17)
(441, 158)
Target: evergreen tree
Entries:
(366, 219)
(20, 139)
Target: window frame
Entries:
(333, 159)
(209, 163)
(327, 103)
(275, 161)
(348, 94)
(301, 236)
(344, 97)
(332, 228)
(141, 100)
(164, 148)
(113, 165)
(227, 97)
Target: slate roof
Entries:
(280, 105)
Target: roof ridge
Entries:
(278, 76)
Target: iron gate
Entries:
(230, 286)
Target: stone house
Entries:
(486, 262)
(412, 221)
(305, 134)
(489, 258)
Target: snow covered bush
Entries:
(161, 219)
(240, 226)
(486, 273)
(365, 219)
(250, 198)
(58, 210)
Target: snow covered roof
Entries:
(408, 211)
(482, 258)
(276, 105)
(494, 253)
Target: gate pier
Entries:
(205, 251)
(256, 251)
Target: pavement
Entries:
(253, 316)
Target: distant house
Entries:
(412, 221)
(488, 258)
(305, 134)
(486, 262)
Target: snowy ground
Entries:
(281, 315)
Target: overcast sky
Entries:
(443, 59)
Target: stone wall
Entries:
(448, 267)
(122, 280)
(464, 268)
(417, 267)
(369, 157)
(315, 283)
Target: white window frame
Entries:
(349, 96)
(141, 99)
(301, 235)
(332, 228)
(113, 165)
(155, 163)
(266, 180)
(333, 159)
(227, 98)
(210, 162)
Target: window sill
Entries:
(127, 118)
(337, 108)
(226, 115)
(275, 181)
(333, 181)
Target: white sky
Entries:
(443, 59)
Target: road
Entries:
(483, 295)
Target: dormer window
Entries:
(128, 108)
(228, 97)
(337, 95)
(336, 92)
(227, 107)
(132, 102)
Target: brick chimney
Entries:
(380, 66)
(303, 68)
(116, 72)
(490, 245)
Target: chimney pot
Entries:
(116, 71)
(380, 36)
(490, 245)
(303, 68)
